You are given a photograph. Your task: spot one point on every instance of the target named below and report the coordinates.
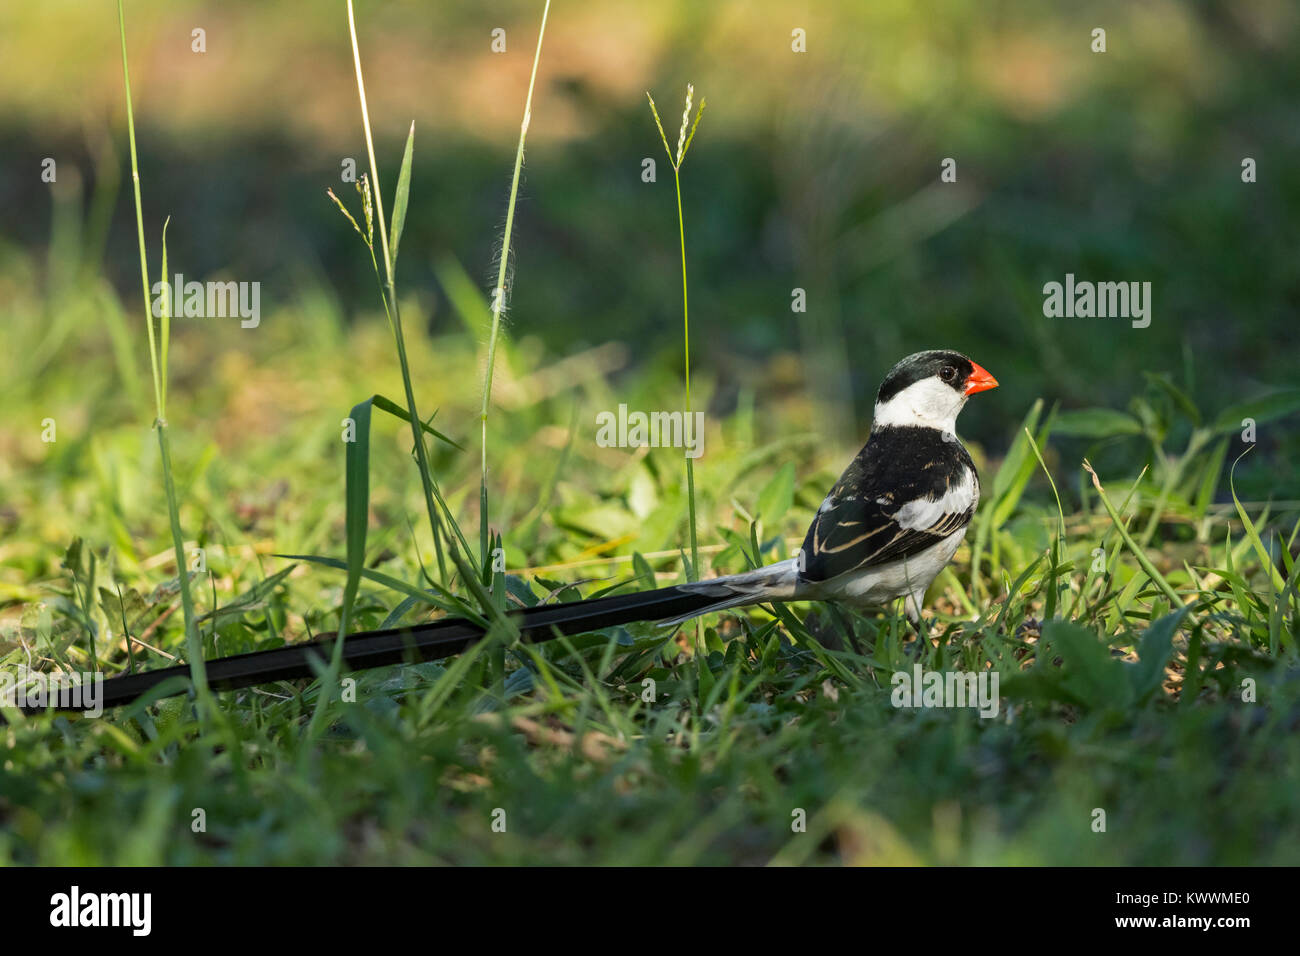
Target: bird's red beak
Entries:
(980, 380)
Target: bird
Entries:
(888, 526)
(897, 514)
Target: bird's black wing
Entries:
(907, 490)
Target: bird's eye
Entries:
(948, 373)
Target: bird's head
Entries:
(929, 389)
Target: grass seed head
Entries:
(683, 136)
(367, 203)
(686, 118)
(344, 209)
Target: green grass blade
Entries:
(358, 508)
(164, 323)
(397, 411)
(139, 217)
(1132, 545)
(403, 196)
(1261, 410)
(357, 519)
(1097, 423)
(1008, 485)
(446, 601)
(1154, 650)
(193, 642)
(1265, 559)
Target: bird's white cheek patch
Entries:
(924, 513)
(928, 402)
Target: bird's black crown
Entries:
(952, 368)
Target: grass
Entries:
(589, 771)
(1143, 625)
(158, 365)
(676, 160)
(494, 570)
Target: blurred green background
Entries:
(817, 170)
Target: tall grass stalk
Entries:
(702, 672)
(498, 307)
(499, 291)
(395, 313)
(683, 145)
(462, 558)
(158, 363)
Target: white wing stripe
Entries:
(923, 513)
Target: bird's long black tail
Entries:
(423, 642)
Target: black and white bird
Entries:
(898, 513)
(887, 528)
